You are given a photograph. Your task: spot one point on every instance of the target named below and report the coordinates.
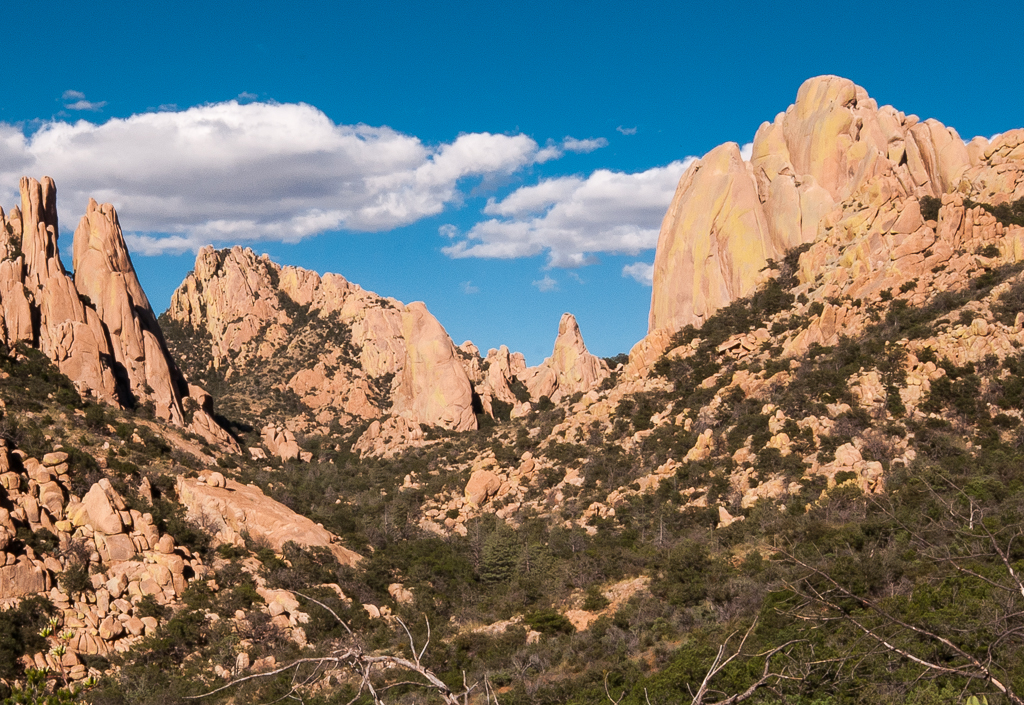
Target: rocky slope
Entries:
(830, 399)
(289, 351)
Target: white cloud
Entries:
(572, 218)
(469, 288)
(546, 284)
(626, 130)
(641, 272)
(86, 105)
(78, 101)
(746, 151)
(571, 144)
(255, 171)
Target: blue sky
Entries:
(503, 162)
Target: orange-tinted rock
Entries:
(570, 369)
(432, 385)
(105, 275)
(280, 441)
(728, 218)
(714, 241)
(252, 310)
(482, 484)
(237, 508)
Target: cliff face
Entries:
(729, 217)
(97, 325)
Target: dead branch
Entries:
(363, 665)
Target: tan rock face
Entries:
(97, 327)
(432, 385)
(729, 217)
(280, 441)
(344, 354)
(105, 275)
(236, 508)
(713, 242)
(570, 369)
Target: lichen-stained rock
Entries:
(713, 242)
(728, 217)
(237, 508)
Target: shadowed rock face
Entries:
(97, 326)
(729, 217)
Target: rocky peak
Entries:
(570, 369)
(729, 217)
(97, 326)
(329, 352)
(105, 276)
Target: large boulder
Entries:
(234, 509)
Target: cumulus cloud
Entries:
(746, 151)
(626, 130)
(546, 284)
(573, 218)
(641, 272)
(254, 171)
(72, 95)
(469, 287)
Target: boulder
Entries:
(482, 484)
(236, 509)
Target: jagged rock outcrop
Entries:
(296, 348)
(729, 217)
(97, 326)
(105, 276)
(569, 370)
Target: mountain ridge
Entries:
(827, 459)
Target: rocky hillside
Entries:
(804, 485)
(287, 351)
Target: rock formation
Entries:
(729, 217)
(96, 326)
(569, 370)
(236, 510)
(331, 352)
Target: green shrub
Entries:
(595, 600)
(549, 622)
